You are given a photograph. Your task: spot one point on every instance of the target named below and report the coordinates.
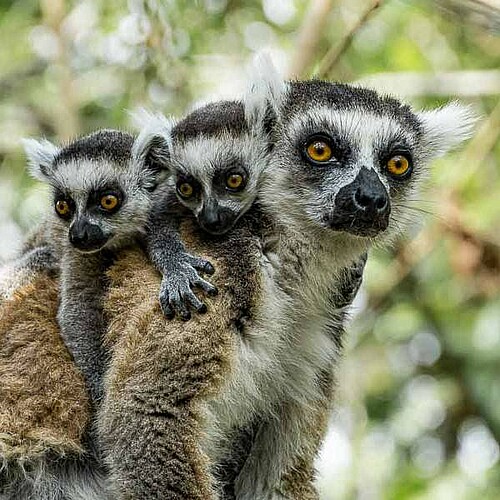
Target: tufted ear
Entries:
(264, 93)
(447, 127)
(153, 146)
(41, 154)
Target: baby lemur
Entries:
(103, 187)
(217, 160)
(105, 196)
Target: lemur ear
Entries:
(153, 146)
(446, 127)
(264, 93)
(41, 154)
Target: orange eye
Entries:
(398, 165)
(63, 208)
(185, 189)
(234, 181)
(109, 202)
(319, 150)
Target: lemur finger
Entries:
(165, 306)
(195, 302)
(202, 265)
(178, 304)
(185, 314)
(206, 287)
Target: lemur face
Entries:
(98, 203)
(353, 161)
(217, 179)
(101, 187)
(217, 162)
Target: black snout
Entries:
(362, 207)
(216, 219)
(86, 236)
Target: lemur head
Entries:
(348, 160)
(102, 184)
(218, 154)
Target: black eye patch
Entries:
(187, 186)
(95, 199)
(340, 148)
(396, 145)
(233, 178)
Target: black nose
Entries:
(86, 236)
(362, 207)
(216, 219)
(372, 201)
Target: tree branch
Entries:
(335, 53)
(309, 37)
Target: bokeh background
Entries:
(418, 412)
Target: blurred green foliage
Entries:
(418, 412)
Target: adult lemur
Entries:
(254, 389)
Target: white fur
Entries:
(266, 88)
(153, 126)
(201, 156)
(41, 154)
(447, 127)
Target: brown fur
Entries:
(162, 370)
(151, 420)
(43, 401)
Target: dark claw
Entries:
(169, 314)
(202, 265)
(185, 316)
(213, 291)
(195, 302)
(209, 269)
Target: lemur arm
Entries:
(178, 267)
(80, 315)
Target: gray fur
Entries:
(55, 478)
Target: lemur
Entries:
(214, 185)
(344, 166)
(102, 187)
(217, 160)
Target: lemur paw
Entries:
(176, 294)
